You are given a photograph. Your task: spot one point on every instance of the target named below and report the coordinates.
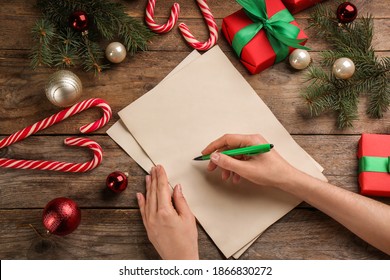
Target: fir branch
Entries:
(65, 57)
(107, 20)
(43, 33)
(92, 55)
(326, 92)
(66, 54)
(379, 99)
(132, 37)
(347, 112)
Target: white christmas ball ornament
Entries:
(63, 88)
(343, 68)
(299, 59)
(115, 52)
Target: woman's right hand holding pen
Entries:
(266, 169)
(366, 217)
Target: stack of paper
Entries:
(202, 99)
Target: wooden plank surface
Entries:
(111, 227)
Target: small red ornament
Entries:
(117, 181)
(79, 21)
(61, 216)
(346, 12)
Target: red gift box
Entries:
(295, 6)
(373, 154)
(258, 54)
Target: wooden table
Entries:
(111, 226)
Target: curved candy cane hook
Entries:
(71, 141)
(161, 28)
(58, 165)
(211, 24)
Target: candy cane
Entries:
(161, 28)
(211, 24)
(71, 141)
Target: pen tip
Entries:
(198, 158)
(271, 146)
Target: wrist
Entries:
(296, 182)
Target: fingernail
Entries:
(147, 178)
(215, 157)
(179, 188)
(138, 196)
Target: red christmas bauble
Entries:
(346, 12)
(79, 21)
(61, 216)
(117, 181)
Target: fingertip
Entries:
(215, 157)
(153, 173)
(211, 166)
(147, 179)
(225, 174)
(177, 190)
(236, 178)
(140, 199)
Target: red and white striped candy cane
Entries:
(211, 24)
(161, 28)
(71, 141)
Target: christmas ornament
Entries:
(71, 141)
(58, 45)
(61, 216)
(343, 68)
(161, 28)
(117, 181)
(79, 21)
(115, 52)
(299, 59)
(63, 88)
(346, 12)
(211, 24)
(325, 91)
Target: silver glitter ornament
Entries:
(299, 59)
(343, 68)
(116, 52)
(63, 88)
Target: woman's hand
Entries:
(172, 230)
(370, 218)
(267, 169)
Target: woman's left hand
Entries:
(171, 228)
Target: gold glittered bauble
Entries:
(63, 88)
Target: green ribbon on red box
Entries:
(374, 164)
(280, 32)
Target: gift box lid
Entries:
(371, 182)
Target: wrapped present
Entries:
(295, 6)
(374, 164)
(262, 33)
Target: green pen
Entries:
(245, 151)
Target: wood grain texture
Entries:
(119, 234)
(24, 102)
(111, 227)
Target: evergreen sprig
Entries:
(60, 46)
(353, 40)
